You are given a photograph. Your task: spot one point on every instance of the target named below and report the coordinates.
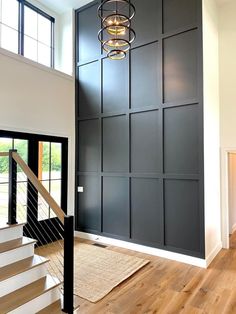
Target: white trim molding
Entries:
(145, 249)
(213, 254)
(41, 67)
(225, 151)
(233, 229)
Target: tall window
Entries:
(22, 148)
(50, 174)
(26, 30)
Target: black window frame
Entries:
(21, 17)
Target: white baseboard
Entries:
(213, 253)
(144, 249)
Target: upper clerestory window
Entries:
(27, 30)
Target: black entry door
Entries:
(47, 158)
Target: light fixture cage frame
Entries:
(116, 25)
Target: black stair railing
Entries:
(66, 221)
(12, 189)
(68, 300)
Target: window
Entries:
(26, 30)
(22, 148)
(50, 174)
(47, 158)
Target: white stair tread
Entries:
(14, 244)
(26, 294)
(14, 269)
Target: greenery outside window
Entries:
(47, 158)
(50, 174)
(27, 30)
(22, 148)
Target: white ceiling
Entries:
(62, 6)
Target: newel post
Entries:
(68, 302)
(12, 189)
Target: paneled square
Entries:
(115, 85)
(116, 206)
(179, 13)
(181, 67)
(89, 89)
(89, 211)
(89, 145)
(115, 144)
(147, 21)
(145, 84)
(145, 143)
(146, 210)
(88, 25)
(181, 140)
(182, 215)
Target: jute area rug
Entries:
(98, 271)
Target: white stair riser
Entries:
(16, 255)
(39, 303)
(19, 281)
(11, 233)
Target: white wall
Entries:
(36, 99)
(227, 26)
(211, 128)
(227, 36)
(64, 37)
(65, 42)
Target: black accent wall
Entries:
(139, 125)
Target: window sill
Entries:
(42, 67)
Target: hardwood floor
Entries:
(168, 287)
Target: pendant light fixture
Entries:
(116, 34)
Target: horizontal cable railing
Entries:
(46, 247)
(31, 203)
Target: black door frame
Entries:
(46, 230)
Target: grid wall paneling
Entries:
(115, 85)
(116, 206)
(115, 144)
(90, 210)
(89, 90)
(145, 90)
(146, 210)
(139, 122)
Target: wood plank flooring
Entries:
(169, 287)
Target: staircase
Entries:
(25, 285)
(30, 283)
